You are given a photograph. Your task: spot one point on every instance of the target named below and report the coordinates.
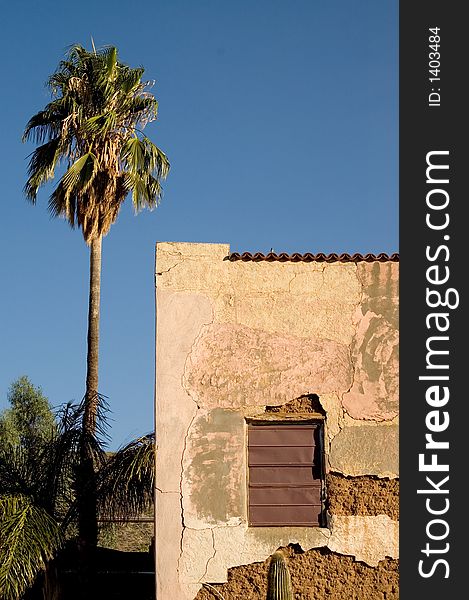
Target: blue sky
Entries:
(280, 120)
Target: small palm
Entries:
(38, 503)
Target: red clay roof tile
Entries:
(309, 257)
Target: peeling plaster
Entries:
(234, 338)
(368, 539)
(265, 295)
(348, 536)
(255, 544)
(334, 414)
(374, 393)
(213, 476)
(235, 366)
(366, 450)
(375, 347)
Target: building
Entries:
(276, 414)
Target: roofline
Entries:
(309, 257)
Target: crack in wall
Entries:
(291, 281)
(167, 491)
(323, 269)
(181, 496)
(352, 377)
(352, 343)
(170, 268)
(209, 558)
(184, 387)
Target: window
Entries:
(285, 462)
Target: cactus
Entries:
(279, 583)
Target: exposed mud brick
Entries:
(304, 404)
(316, 574)
(367, 496)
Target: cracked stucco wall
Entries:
(235, 337)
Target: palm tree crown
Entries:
(93, 125)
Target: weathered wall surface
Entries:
(317, 573)
(236, 337)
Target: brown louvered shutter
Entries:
(284, 475)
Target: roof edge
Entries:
(310, 257)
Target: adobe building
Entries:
(276, 422)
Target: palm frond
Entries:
(42, 126)
(142, 159)
(133, 155)
(47, 475)
(158, 163)
(73, 433)
(27, 471)
(126, 482)
(40, 491)
(63, 204)
(41, 167)
(146, 193)
(142, 109)
(29, 537)
(111, 62)
(80, 175)
(101, 124)
(15, 472)
(146, 166)
(130, 78)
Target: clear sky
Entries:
(280, 120)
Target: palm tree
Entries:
(38, 502)
(93, 128)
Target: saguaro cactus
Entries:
(279, 583)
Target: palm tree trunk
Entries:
(86, 492)
(88, 525)
(91, 399)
